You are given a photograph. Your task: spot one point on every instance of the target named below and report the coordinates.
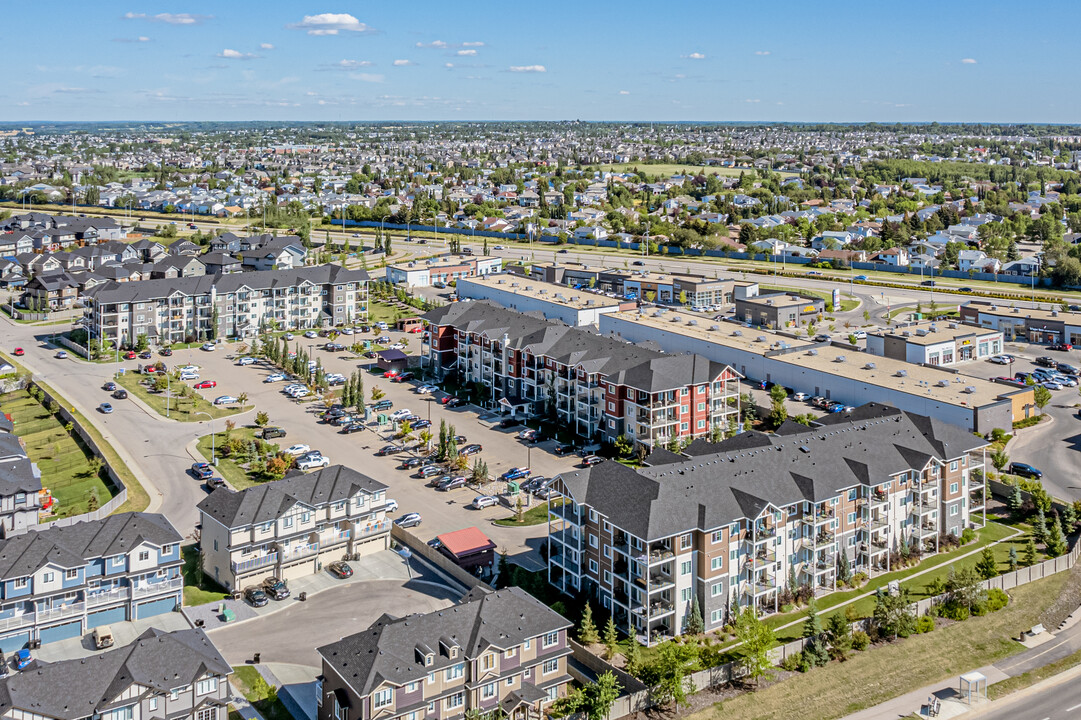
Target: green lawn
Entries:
(228, 465)
(847, 301)
(63, 459)
(198, 589)
(180, 409)
(379, 311)
(889, 670)
(262, 696)
(533, 516)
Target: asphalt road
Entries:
(1059, 702)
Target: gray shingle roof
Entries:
(72, 546)
(73, 689)
(388, 649)
(267, 502)
(724, 482)
(18, 476)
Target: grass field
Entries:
(533, 516)
(233, 473)
(669, 169)
(180, 409)
(848, 303)
(63, 460)
(262, 696)
(886, 671)
(198, 590)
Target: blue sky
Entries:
(960, 60)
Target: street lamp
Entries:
(213, 446)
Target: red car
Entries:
(390, 373)
(19, 352)
(415, 329)
(206, 384)
(130, 355)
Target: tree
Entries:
(844, 569)
(1000, 459)
(839, 635)
(1041, 396)
(963, 587)
(262, 418)
(1015, 500)
(611, 639)
(668, 673)
(595, 699)
(1039, 526)
(502, 578)
(892, 615)
(1013, 558)
(986, 566)
(1056, 541)
(377, 394)
(1030, 552)
(587, 630)
(814, 649)
(757, 640)
(695, 624)
(778, 412)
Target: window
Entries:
(455, 701)
(20, 498)
(71, 574)
(488, 691)
(684, 541)
(454, 672)
(207, 714)
(431, 678)
(717, 536)
(550, 639)
(593, 566)
(152, 703)
(287, 522)
(207, 685)
(431, 707)
(144, 555)
(685, 595)
(510, 653)
(607, 578)
(510, 681)
(528, 644)
(411, 687)
(701, 406)
(550, 666)
(166, 549)
(305, 517)
(592, 540)
(732, 555)
(953, 510)
(174, 694)
(716, 589)
(47, 577)
(716, 563)
(953, 465)
(382, 698)
(953, 488)
(487, 661)
(685, 567)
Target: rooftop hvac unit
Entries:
(902, 373)
(674, 318)
(512, 284)
(970, 389)
(922, 332)
(934, 328)
(714, 327)
(839, 358)
(812, 352)
(869, 366)
(500, 281)
(737, 333)
(692, 322)
(591, 302)
(943, 383)
(906, 333)
(952, 326)
(760, 338)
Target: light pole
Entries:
(213, 438)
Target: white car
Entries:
(426, 389)
(799, 396)
(292, 386)
(274, 377)
(225, 400)
(246, 361)
(1001, 359)
(397, 346)
(860, 335)
(311, 334)
(310, 463)
(188, 368)
(61, 354)
(391, 505)
(346, 331)
(288, 336)
(298, 449)
(399, 414)
(483, 501)
(209, 347)
(498, 247)
(299, 393)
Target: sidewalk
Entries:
(915, 702)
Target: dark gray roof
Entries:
(267, 502)
(72, 689)
(738, 478)
(18, 476)
(390, 649)
(74, 545)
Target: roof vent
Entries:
(812, 351)
(804, 449)
(943, 383)
(692, 322)
(760, 338)
(902, 373)
(714, 327)
(869, 366)
(839, 358)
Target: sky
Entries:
(831, 61)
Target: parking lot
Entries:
(441, 511)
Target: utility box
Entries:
(513, 488)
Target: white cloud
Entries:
(761, 52)
(624, 92)
(467, 52)
(170, 18)
(330, 24)
(402, 63)
(968, 61)
(266, 46)
(473, 44)
(448, 65)
(350, 64)
(528, 69)
(433, 44)
(236, 55)
(367, 77)
(140, 39)
(697, 56)
(752, 100)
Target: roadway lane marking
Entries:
(1071, 709)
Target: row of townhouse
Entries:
(170, 310)
(599, 387)
(292, 527)
(61, 582)
(158, 675)
(731, 524)
(20, 486)
(493, 654)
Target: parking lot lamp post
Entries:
(213, 453)
(168, 392)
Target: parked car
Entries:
(389, 450)
(429, 471)
(410, 463)
(205, 384)
(564, 448)
(225, 400)
(426, 389)
(275, 588)
(1024, 470)
(120, 394)
(340, 570)
(311, 463)
(270, 433)
(202, 470)
(209, 347)
(19, 352)
(471, 449)
(860, 334)
(298, 449)
(382, 405)
(61, 354)
(408, 520)
(515, 473)
(146, 355)
(109, 386)
(1045, 361)
(509, 422)
(1010, 381)
(248, 360)
(391, 505)
(421, 424)
(1062, 347)
(214, 482)
(274, 377)
(533, 483)
(130, 355)
(1001, 359)
(311, 334)
(452, 483)
(1066, 369)
(454, 402)
(401, 414)
(165, 352)
(255, 596)
(23, 659)
(482, 501)
(103, 637)
(105, 408)
(592, 460)
(799, 396)
(352, 427)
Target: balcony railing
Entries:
(371, 529)
(150, 588)
(243, 566)
(68, 610)
(107, 596)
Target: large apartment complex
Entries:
(235, 305)
(60, 582)
(601, 387)
(291, 527)
(732, 523)
(159, 675)
(493, 653)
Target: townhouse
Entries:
(292, 527)
(61, 582)
(731, 524)
(20, 487)
(50, 291)
(599, 387)
(158, 675)
(173, 309)
(499, 653)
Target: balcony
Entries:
(824, 537)
(877, 522)
(825, 563)
(927, 529)
(161, 586)
(15, 621)
(244, 566)
(878, 497)
(659, 555)
(764, 533)
(371, 529)
(820, 517)
(107, 596)
(763, 586)
(61, 611)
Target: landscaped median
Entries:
(244, 459)
(184, 405)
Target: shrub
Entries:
(967, 536)
(859, 579)
(925, 624)
(996, 599)
(791, 663)
(860, 640)
(954, 611)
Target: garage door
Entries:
(61, 632)
(299, 570)
(106, 617)
(333, 555)
(155, 607)
(254, 579)
(371, 546)
(11, 643)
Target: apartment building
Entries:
(935, 343)
(159, 675)
(493, 653)
(733, 523)
(601, 387)
(236, 305)
(61, 582)
(292, 527)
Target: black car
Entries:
(255, 596)
(454, 402)
(120, 394)
(421, 424)
(928, 283)
(389, 450)
(459, 439)
(1066, 369)
(533, 483)
(508, 422)
(564, 448)
(109, 386)
(166, 352)
(276, 588)
(471, 449)
(410, 463)
(1045, 361)
(273, 432)
(340, 570)
(964, 289)
(591, 460)
(214, 482)
(638, 263)
(352, 427)
(1024, 470)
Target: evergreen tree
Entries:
(633, 657)
(839, 635)
(611, 639)
(1015, 501)
(814, 650)
(695, 624)
(1030, 552)
(587, 631)
(1039, 526)
(1056, 541)
(986, 566)
(1013, 558)
(502, 579)
(844, 569)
